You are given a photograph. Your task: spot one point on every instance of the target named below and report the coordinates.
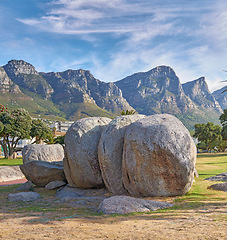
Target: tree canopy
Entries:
(223, 119)
(40, 131)
(18, 124)
(14, 125)
(209, 135)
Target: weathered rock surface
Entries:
(81, 147)
(110, 152)
(221, 97)
(10, 173)
(41, 173)
(23, 196)
(159, 157)
(219, 177)
(219, 186)
(41, 152)
(25, 75)
(55, 184)
(125, 204)
(82, 195)
(26, 186)
(199, 92)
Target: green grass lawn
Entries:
(11, 162)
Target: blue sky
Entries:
(114, 39)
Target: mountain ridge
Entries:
(73, 94)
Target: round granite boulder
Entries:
(159, 157)
(81, 164)
(111, 149)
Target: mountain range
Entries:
(74, 94)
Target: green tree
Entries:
(208, 134)
(14, 125)
(59, 139)
(127, 112)
(223, 119)
(41, 131)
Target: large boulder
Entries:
(159, 157)
(81, 164)
(41, 173)
(110, 152)
(42, 152)
(125, 204)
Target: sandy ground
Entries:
(51, 218)
(184, 225)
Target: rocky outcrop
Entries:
(158, 158)
(125, 204)
(41, 152)
(110, 152)
(41, 173)
(199, 92)
(81, 146)
(25, 75)
(6, 84)
(221, 97)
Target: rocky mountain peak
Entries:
(6, 84)
(221, 97)
(20, 67)
(25, 75)
(199, 92)
(162, 71)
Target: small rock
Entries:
(219, 186)
(55, 184)
(26, 186)
(71, 192)
(219, 177)
(125, 204)
(23, 196)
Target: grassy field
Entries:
(11, 162)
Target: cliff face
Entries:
(156, 91)
(199, 92)
(25, 75)
(221, 97)
(6, 84)
(78, 86)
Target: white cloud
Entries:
(190, 36)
